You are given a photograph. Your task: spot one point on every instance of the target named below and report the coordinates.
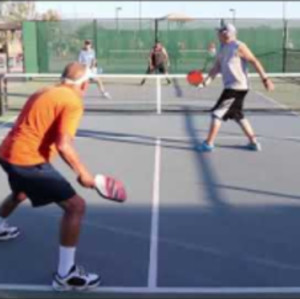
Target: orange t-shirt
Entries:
(57, 109)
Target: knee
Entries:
(241, 120)
(216, 117)
(75, 205)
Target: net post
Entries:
(158, 94)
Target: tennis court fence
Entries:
(156, 95)
(122, 46)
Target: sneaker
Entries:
(254, 146)
(204, 147)
(8, 232)
(76, 280)
(106, 95)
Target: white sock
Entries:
(66, 260)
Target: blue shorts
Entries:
(42, 183)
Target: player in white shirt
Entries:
(232, 62)
(87, 56)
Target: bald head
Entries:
(74, 71)
(77, 76)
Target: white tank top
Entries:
(233, 67)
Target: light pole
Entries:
(117, 9)
(233, 11)
(140, 13)
(283, 10)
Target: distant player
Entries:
(158, 61)
(231, 62)
(87, 57)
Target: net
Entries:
(156, 95)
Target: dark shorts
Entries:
(161, 68)
(230, 105)
(42, 183)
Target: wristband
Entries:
(207, 81)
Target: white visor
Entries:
(85, 77)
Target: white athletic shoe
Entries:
(254, 146)
(8, 232)
(76, 280)
(106, 95)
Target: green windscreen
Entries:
(123, 45)
(30, 47)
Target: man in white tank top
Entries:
(231, 62)
(87, 57)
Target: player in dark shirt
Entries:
(158, 61)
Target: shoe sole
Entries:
(66, 288)
(10, 237)
(202, 150)
(253, 149)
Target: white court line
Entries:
(165, 139)
(164, 290)
(152, 270)
(285, 107)
(158, 96)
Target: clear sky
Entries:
(147, 9)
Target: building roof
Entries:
(10, 26)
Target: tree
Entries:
(22, 11)
(50, 15)
(18, 11)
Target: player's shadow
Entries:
(204, 166)
(207, 173)
(137, 139)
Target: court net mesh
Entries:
(156, 95)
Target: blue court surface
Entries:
(221, 224)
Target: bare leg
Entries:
(100, 85)
(74, 209)
(215, 126)
(148, 71)
(247, 129)
(10, 203)
(167, 78)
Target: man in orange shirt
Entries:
(46, 126)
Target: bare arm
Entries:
(166, 56)
(214, 71)
(94, 60)
(246, 53)
(67, 125)
(150, 59)
(64, 145)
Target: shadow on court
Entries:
(201, 247)
(210, 235)
(256, 245)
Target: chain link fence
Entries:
(123, 45)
